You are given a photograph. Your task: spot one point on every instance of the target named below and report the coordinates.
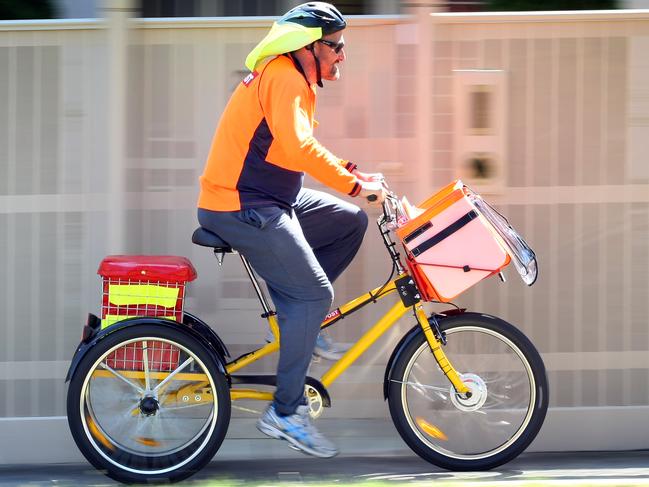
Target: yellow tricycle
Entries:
(151, 385)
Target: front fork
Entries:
(435, 344)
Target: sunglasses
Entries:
(336, 46)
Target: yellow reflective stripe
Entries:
(127, 294)
(112, 319)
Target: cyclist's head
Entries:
(315, 26)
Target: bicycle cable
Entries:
(380, 291)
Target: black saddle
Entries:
(204, 237)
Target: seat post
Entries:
(219, 254)
(255, 283)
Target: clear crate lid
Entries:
(522, 255)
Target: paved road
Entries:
(530, 469)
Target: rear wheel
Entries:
(148, 403)
(506, 407)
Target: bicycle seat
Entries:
(204, 237)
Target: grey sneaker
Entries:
(325, 347)
(298, 430)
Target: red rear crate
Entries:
(143, 285)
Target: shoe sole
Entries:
(278, 434)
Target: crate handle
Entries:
(447, 232)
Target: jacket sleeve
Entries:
(349, 165)
(285, 103)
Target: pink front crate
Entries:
(449, 245)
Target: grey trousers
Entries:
(299, 254)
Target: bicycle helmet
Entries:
(299, 27)
(316, 14)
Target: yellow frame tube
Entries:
(439, 354)
(233, 367)
(367, 340)
(381, 326)
(252, 357)
(236, 394)
(355, 302)
(274, 326)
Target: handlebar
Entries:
(392, 208)
(388, 222)
(372, 198)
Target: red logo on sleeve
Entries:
(248, 79)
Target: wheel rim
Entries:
(138, 414)
(476, 427)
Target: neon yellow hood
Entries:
(282, 38)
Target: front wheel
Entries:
(148, 403)
(506, 407)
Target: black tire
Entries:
(506, 410)
(140, 442)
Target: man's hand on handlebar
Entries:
(368, 176)
(373, 191)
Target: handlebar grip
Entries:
(372, 198)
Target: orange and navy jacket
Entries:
(264, 144)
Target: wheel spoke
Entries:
(419, 385)
(171, 376)
(145, 360)
(121, 377)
